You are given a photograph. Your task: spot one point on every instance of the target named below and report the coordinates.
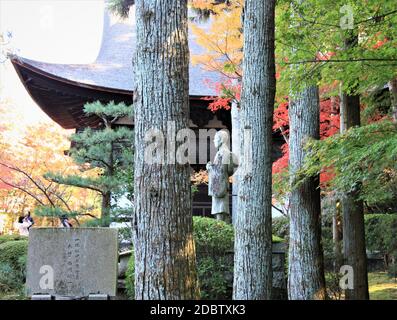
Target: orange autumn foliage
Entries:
(221, 37)
(27, 153)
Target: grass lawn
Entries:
(382, 286)
(12, 296)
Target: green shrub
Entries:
(380, 235)
(12, 237)
(214, 241)
(381, 230)
(11, 252)
(277, 239)
(215, 276)
(332, 280)
(130, 278)
(212, 236)
(13, 265)
(280, 227)
(10, 281)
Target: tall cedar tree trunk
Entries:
(165, 263)
(253, 242)
(393, 98)
(337, 237)
(235, 116)
(336, 217)
(306, 279)
(352, 208)
(353, 214)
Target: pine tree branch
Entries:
(91, 159)
(88, 215)
(75, 184)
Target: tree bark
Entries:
(393, 98)
(165, 264)
(336, 217)
(235, 115)
(253, 228)
(306, 279)
(107, 195)
(354, 251)
(349, 112)
(105, 209)
(337, 236)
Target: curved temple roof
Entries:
(61, 90)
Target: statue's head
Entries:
(221, 138)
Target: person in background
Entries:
(29, 219)
(65, 222)
(23, 225)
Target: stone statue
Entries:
(224, 166)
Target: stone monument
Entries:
(72, 263)
(224, 165)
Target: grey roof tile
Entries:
(113, 66)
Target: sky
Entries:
(56, 31)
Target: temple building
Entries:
(62, 90)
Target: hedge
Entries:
(11, 237)
(380, 233)
(13, 265)
(11, 252)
